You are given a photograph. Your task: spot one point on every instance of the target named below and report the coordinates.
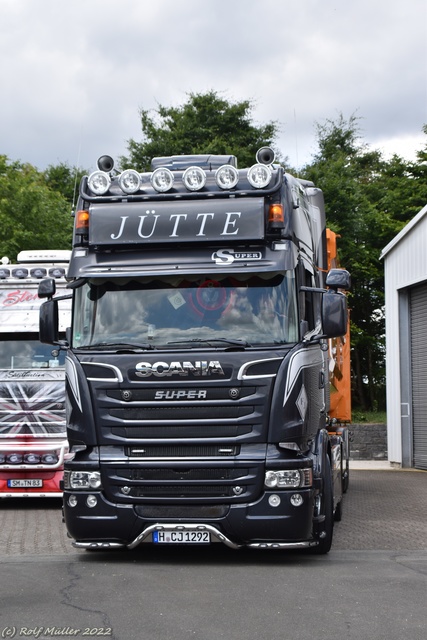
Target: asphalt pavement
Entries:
(372, 585)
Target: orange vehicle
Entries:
(339, 374)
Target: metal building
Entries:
(405, 264)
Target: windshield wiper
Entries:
(121, 346)
(211, 343)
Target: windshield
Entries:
(24, 351)
(156, 313)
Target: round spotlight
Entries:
(296, 500)
(91, 501)
(72, 501)
(50, 458)
(32, 458)
(226, 176)
(130, 181)
(162, 179)
(259, 176)
(274, 500)
(15, 458)
(194, 178)
(99, 182)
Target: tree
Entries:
(65, 180)
(206, 123)
(368, 200)
(32, 215)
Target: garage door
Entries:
(419, 374)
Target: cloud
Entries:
(76, 74)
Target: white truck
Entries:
(32, 389)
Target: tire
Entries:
(346, 478)
(346, 474)
(326, 509)
(338, 512)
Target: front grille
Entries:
(178, 481)
(185, 511)
(184, 431)
(178, 413)
(182, 491)
(175, 395)
(182, 451)
(183, 474)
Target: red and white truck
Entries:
(32, 388)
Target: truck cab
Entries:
(197, 375)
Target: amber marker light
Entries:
(82, 220)
(276, 218)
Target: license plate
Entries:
(179, 536)
(21, 483)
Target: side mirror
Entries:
(334, 314)
(48, 322)
(338, 279)
(47, 288)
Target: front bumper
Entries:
(255, 525)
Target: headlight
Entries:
(226, 177)
(82, 480)
(194, 178)
(288, 479)
(162, 179)
(259, 175)
(130, 181)
(99, 182)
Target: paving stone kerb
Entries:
(382, 510)
(368, 441)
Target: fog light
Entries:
(91, 501)
(72, 501)
(296, 500)
(274, 500)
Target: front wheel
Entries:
(327, 510)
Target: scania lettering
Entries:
(205, 320)
(162, 369)
(32, 380)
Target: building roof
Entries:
(404, 232)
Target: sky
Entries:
(74, 74)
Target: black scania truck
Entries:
(197, 373)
